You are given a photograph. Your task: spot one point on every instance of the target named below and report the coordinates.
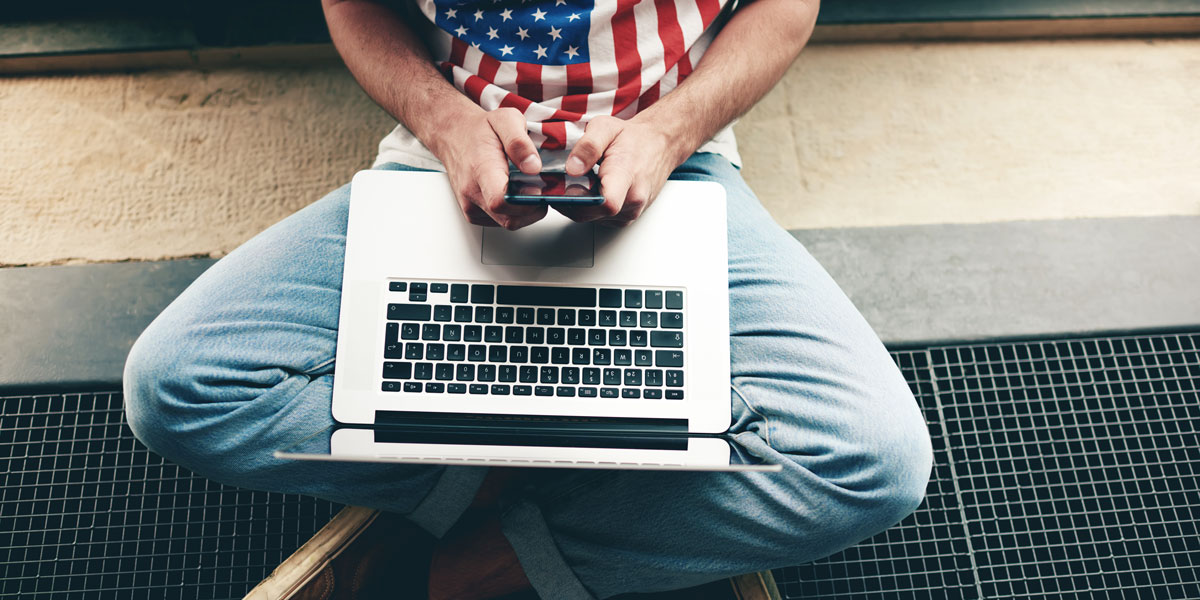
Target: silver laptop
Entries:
(561, 344)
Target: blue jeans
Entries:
(241, 364)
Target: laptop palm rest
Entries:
(554, 241)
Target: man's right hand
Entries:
(475, 150)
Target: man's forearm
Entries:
(393, 66)
(743, 63)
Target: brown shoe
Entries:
(360, 554)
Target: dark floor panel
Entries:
(925, 555)
(87, 512)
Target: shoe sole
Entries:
(310, 559)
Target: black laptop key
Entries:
(539, 355)
(543, 390)
(629, 318)
(463, 314)
(414, 351)
(616, 337)
(522, 390)
(535, 335)
(654, 298)
(601, 356)
(484, 293)
(570, 375)
(456, 352)
(435, 351)
(566, 391)
(478, 388)
(443, 312)
(674, 394)
(610, 298)
(465, 372)
(456, 388)
(581, 356)
(672, 320)
(452, 333)
(576, 336)
(545, 316)
(416, 296)
(391, 386)
(566, 316)
(633, 298)
(637, 337)
(591, 376)
(393, 350)
(397, 370)
(483, 314)
(668, 358)
(514, 335)
(518, 354)
(556, 336)
(587, 392)
(392, 333)
(609, 392)
(532, 295)
(412, 386)
(493, 334)
(438, 288)
(631, 393)
(419, 287)
(458, 293)
(443, 372)
(435, 388)
(423, 371)
(648, 319)
(587, 317)
(654, 377)
(507, 373)
(529, 374)
(597, 337)
(652, 394)
(497, 354)
(549, 375)
(674, 378)
(560, 356)
(633, 377)
(398, 286)
(410, 331)
(499, 389)
(666, 339)
(476, 353)
(486, 373)
(431, 332)
(642, 358)
(525, 316)
(675, 300)
(472, 333)
(504, 315)
(622, 358)
(608, 318)
(612, 377)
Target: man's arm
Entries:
(743, 63)
(395, 69)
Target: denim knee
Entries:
(148, 364)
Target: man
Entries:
(242, 362)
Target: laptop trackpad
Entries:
(554, 241)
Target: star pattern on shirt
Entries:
(528, 31)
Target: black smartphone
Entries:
(553, 188)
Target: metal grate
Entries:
(1073, 465)
(88, 512)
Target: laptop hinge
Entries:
(529, 424)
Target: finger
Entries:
(493, 182)
(509, 125)
(615, 180)
(599, 134)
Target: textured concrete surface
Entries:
(183, 163)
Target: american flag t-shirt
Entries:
(562, 62)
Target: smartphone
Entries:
(554, 188)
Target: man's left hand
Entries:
(635, 157)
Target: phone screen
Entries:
(553, 188)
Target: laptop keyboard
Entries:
(534, 340)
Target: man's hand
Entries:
(635, 159)
(475, 150)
